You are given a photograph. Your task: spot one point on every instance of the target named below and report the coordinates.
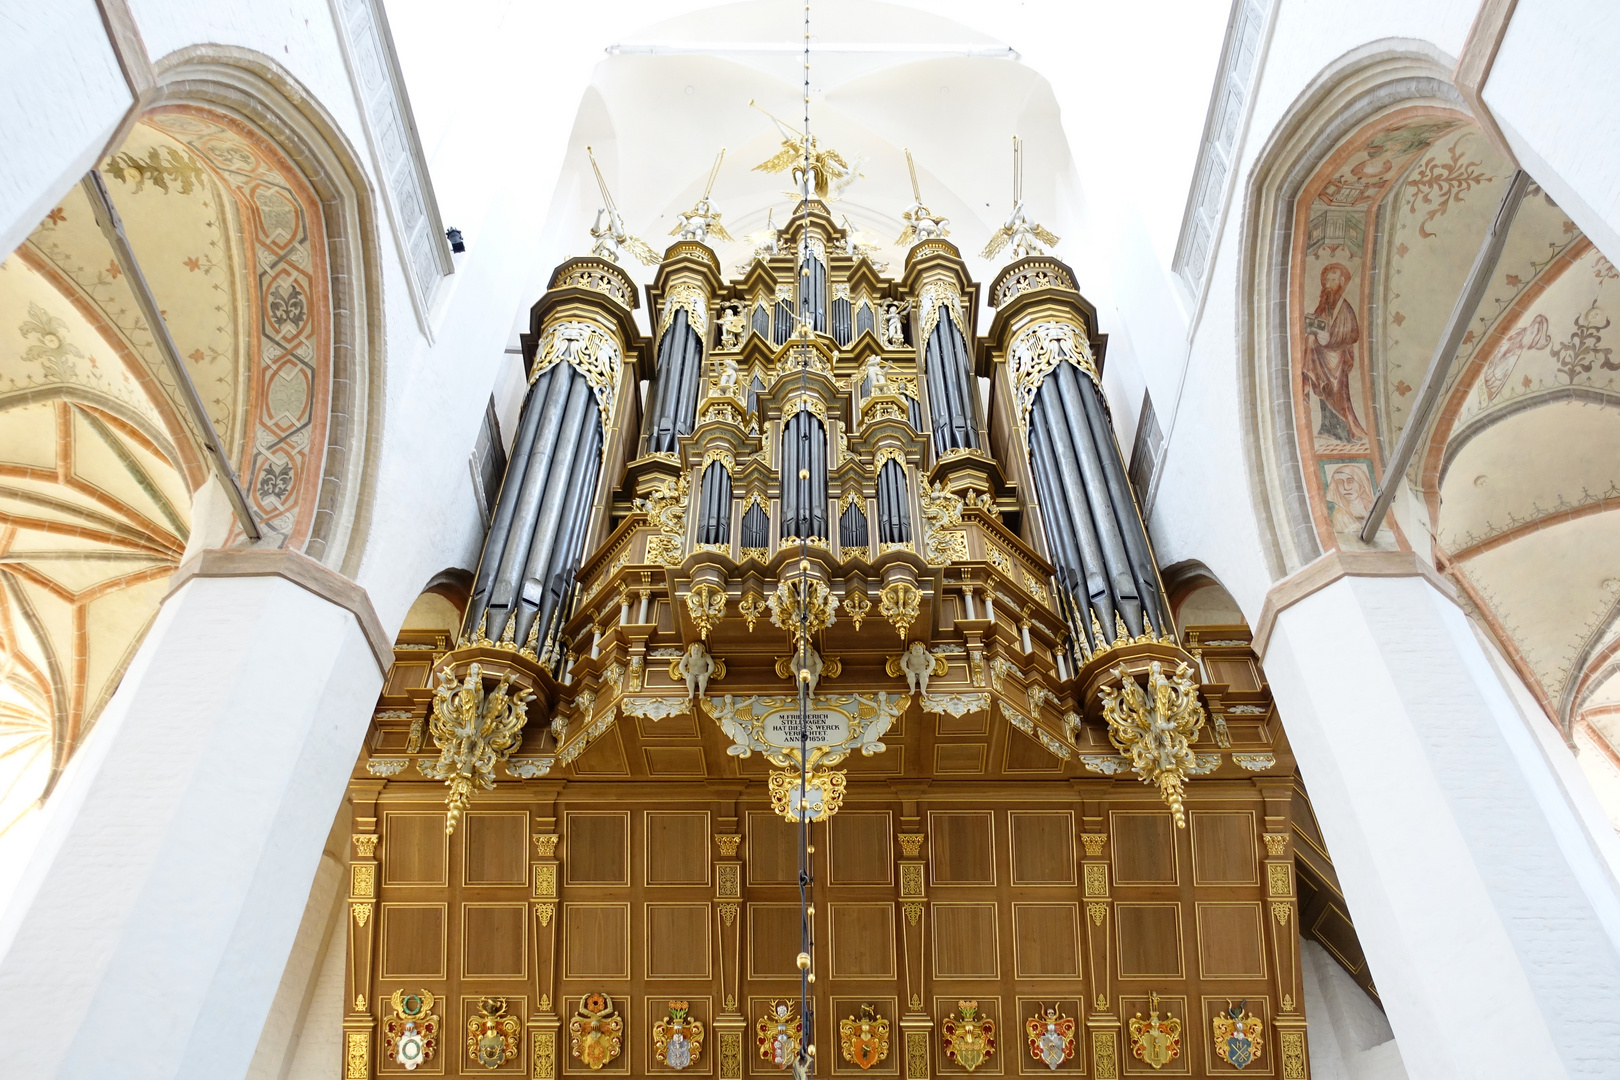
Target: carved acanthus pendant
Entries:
(1156, 730)
(474, 732)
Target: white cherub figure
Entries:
(807, 660)
(916, 664)
(728, 372)
(696, 667)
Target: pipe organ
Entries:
(1052, 833)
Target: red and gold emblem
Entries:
(864, 1041)
(1051, 1037)
(1154, 1041)
(411, 1035)
(969, 1038)
(779, 1032)
(596, 1031)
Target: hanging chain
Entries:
(805, 1065)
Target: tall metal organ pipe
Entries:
(673, 408)
(804, 497)
(813, 288)
(714, 524)
(538, 530)
(1093, 528)
(950, 387)
(894, 515)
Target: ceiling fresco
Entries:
(1520, 464)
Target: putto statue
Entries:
(695, 667)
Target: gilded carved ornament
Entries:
(940, 295)
(665, 507)
(688, 297)
(1153, 1041)
(592, 352)
(802, 606)
(1155, 730)
(900, 602)
(365, 844)
(1237, 1036)
(706, 603)
(1036, 352)
(474, 732)
(492, 1034)
(411, 1035)
(753, 606)
(970, 1039)
(864, 1040)
(596, 1031)
(944, 541)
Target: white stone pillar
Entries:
(1489, 915)
(156, 915)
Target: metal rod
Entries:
(112, 227)
(1434, 379)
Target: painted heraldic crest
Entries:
(492, 1034)
(1154, 1041)
(596, 1031)
(411, 1035)
(677, 1039)
(864, 1041)
(1051, 1037)
(1237, 1036)
(969, 1038)
(779, 1031)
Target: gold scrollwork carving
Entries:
(1280, 913)
(911, 879)
(899, 602)
(910, 844)
(913, 910)
(590, 350)
(707, 604)
(1104, 1054)
(1096, 879)
(363, 880)
(728, 881)
(943, 542)
(802, 607)
(545, 881)
(1098, 913)
(1156, 730)
(1293, 1054)
(545, 845)
(689, 298)
(1278, 880)
(357, 1055)
(545, 1055)
(1276, 843)
(1094, 843)
(362, 913)
(1036, 352)
(728, 912)
(474, 732)
(916, 1055)
(728, 844)
(544, 912)
(365, 844)
(857, 605)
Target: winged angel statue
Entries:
(832, 174)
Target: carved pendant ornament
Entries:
(1153, 1041)
(596, 1031)
(492, 1034)
(1051, 1037)
(677, 1038)
(778, 1032)
(411, 1035)
(474, 732)
(1155, 730)
(864, 1041)
(969, 1038)
(1237, 1036)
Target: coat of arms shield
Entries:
(596, 1031)
(969, 1038)
(677, 1039)
(1154, 1041)
(1051, 1037)
(864, 1040)
(778, 1033)
(492, 1034)
(411, 1035)
(1237, 1036)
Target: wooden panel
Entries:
(974, 723)
(598, 848)
(962, 844)
(1046, 941)
(1144, 847)
(596, 941)
(773, 941)
(959, 758)
(966, 944)
(860, 850)
(684, 762)
(1025, 755)
(1042, 847)
(773, 850)
(494, 944)
(677, 847)
(1238, 673)
(678, 941)
(680, 726)
(663, 616)
(604, 757)
(862, 941)
(1229, 945)
(414, 849)
(404, 676)
(1149, 940)
(412, 941)
(495, 848)
(1338, 935)
(1223, 848)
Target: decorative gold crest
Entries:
(596, 1031)
(677, 1039)
(779, 1032)
(1237, 1036)
(969, 1038)
(1051, 1037)
(411, 1035)
(1155, 1041)
(492, 1035)
(865, 1041)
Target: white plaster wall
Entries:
(318, 1054)
(1349, 1038)
(62, 95)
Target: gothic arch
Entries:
(1363, 84)
(334, 506)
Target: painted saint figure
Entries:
(1330, 355)
(1351, 495)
